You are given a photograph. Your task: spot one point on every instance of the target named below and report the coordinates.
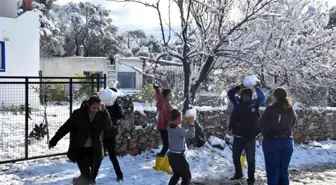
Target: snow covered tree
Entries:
(141, 44)
(51, 38)
(297, 50)
(332, 17)
(209, 36)
(90, 26)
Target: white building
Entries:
(19, 49)
(125, 73)
(19, 41)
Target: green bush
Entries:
(147, 94)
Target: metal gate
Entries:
(33, 108)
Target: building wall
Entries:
(69, 66)
(22, 44)
(21, 37)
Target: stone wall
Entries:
(138, 133)
(312, 123)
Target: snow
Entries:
(250, 81)
(216, 141)
(191, 113)
(205, 163)
(108, 96)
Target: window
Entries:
(126, 80)
(2, 57)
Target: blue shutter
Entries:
(126, 80)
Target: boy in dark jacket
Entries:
(243, 125)
(110, 137)
(177, 159)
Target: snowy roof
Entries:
(167, 62)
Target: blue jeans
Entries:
(240, 144)
(278, 154)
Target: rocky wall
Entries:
(137, 132)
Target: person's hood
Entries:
(84, 105)
(171, 125)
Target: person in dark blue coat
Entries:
(243, 125)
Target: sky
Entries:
(132, 16)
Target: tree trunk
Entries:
(186, 70)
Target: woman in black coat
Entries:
(110, 136)
(86, 126)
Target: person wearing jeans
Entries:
(243, 125)
(278, 144)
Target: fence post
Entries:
(92, 84)
(105, 79)
(26, 116)
(71, 98)
(98, 82)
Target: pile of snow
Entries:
(250, 81)
(108, 96)
(216, 142)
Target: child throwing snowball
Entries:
(177, 136)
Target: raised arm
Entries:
(63, 130)
(106, 120)
(159, 97)
(232, 95)
(260, 96)
(187, 133)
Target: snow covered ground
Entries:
(206, 164)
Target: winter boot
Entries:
(242, 161)
(80, 181)
(166, 166)
(158, 163)
(120, 177)
(236, 177)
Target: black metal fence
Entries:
(33, 108)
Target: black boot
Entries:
(236, 177)
(120, 176)
(80, 181)
(250, 181)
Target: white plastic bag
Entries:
(191, 113)
(250, 81)
(108, 96)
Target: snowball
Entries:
(250, 81)
(108, 96)
(191, 113)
